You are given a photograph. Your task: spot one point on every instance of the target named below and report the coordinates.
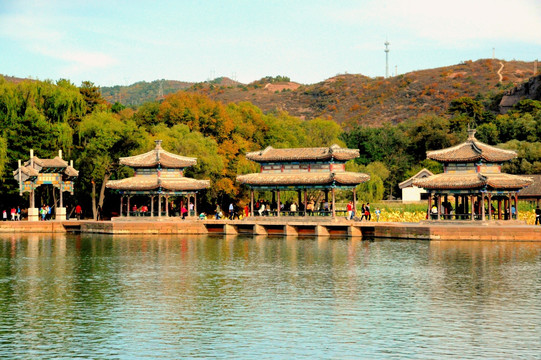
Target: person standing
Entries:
(349, 208)
(79, 211)
(367, 212)
(183, 211)
(537, 215)
(378, 213)
(363, 210)
(231, 211)
(4, 215)
(246, 211)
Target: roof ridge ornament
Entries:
(471, 133)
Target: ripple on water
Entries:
(188, 297)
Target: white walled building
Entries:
(412, 193)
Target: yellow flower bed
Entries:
(416, 216)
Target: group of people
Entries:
(15, 214)
(365, 212)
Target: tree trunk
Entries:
(106, 178)
(94, 212)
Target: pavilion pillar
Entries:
(195, 203)
(167, 205)
(439, 206)
(489, 206)
(152, 205)
(509, 207)
(251, 202)
(278, 204)
(446, 208)
(499, 209)
(121, 204)
(456, 207)
(429, 217)
(333, 198)
(299, 202)
(516, 204)
(472, 208)
(305, 202)
(354, 202)
(61, 197)
(273, 201)
(159, 205)
(128, 212)
(482, 206)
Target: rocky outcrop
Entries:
(528, 90)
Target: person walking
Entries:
(378, 213)
(5, 215)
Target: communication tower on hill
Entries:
(387, 43)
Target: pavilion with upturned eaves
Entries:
(472, 176)
(303, 169)
(158, 174)
(36, 172)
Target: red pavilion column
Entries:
(278, 204)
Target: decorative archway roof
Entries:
(471, 150)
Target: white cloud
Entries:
(458, 22)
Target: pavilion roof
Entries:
(158, 156)
(153, 182)
(534, 190)
(470, 151)
(303, 154)
(305, 178)
(463, 181)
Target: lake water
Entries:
(179, 297)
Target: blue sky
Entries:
(121, 42)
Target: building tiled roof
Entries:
(534, 190)
(152, 182)
(303, 154)
(421, 174)
(305, 178)
(470, 151)
(158, 156)
(460, 181)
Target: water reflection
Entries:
(266, 297)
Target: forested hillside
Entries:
(356, 99)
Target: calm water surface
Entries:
(103, 297)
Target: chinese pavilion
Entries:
(302, 169)
(36, 172)
(160, 174)
(472, 175)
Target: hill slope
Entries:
(353, 99)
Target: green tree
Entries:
(104, 138)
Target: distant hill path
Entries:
(500, 72)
